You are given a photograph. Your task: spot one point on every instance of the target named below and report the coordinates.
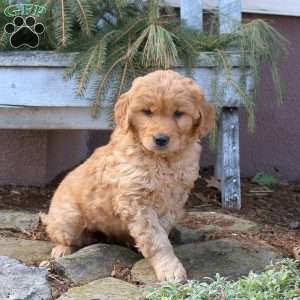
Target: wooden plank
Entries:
(51, 118)
(218, 167)
(35, 59)
(44, 86)
(230, 15)
(229, 151)
(228, 160)
(41, 86)
(209, 60)
(226, 90)
(192, 13)
(270, 7)
(53, 59)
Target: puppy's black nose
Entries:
(161, 139)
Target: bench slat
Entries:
(230, 15)
(40, 85)
(191, 11)
(43, 118)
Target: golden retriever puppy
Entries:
(135, 187)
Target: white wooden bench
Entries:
(34, 96)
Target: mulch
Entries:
(275, 208)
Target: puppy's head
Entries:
(165, 111)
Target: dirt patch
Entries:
(38, 233)
(59, 284)
(122, 272)
(33, 199)
(194, 222)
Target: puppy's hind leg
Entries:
(60, 250)
(65, 227)
(84, 239)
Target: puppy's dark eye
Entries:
(178, 114)
(147, 112)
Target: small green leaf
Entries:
(265, 179)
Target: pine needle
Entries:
(63, 24)
(160, 49)
(84, 16)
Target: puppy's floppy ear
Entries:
(121, 113)
(206, 111)
(207, 114)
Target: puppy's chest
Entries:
(168, 178)
(168, 187)
(181, 173)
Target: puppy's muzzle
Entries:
(161, 140)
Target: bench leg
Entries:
(227, 167)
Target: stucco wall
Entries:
(65, 149)
(36, 157)
(275, 146)
(23, 157)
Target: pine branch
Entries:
(104, 80)
(100, 60)
(160, 49)
(63, 24)
(3, 40)
(84, 74)
(92, 61)
(124, 73)
(84, 16)
(139, 39)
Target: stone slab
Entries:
(94, 262)
(27, 251)
(19, 282)
(228, 257)
(104, 289)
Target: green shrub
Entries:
(280, 281)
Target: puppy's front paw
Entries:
(60, 250)
(170, 270)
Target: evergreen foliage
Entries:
(117, 40)
(3, 20)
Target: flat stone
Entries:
(104, 289)
(18, 220)
(19, 282)
(228, 257)
(94, 262)
(195, 226)
(27, 251)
